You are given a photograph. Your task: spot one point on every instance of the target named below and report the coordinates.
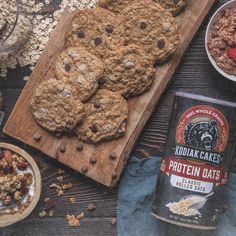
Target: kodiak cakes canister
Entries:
(194, 171)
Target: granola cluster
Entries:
(14, 178)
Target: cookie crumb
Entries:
(60, 193)
(91, 207)
(81, 216)
(51, 213)
(60, 178)
(42, 214)
(67, 186)
(73, 221)
(61, 171)
(72, 200)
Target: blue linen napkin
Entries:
(135, 199)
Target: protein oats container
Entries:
(190, 188)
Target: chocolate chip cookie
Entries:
(55, 107)
(151, 26)
(80, 69)
(173, 6)
(98, 30)
(128, 71)
(106, 117)
(115, 5)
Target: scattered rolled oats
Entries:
(72, 200)
(44, 22)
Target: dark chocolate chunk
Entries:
(37, 137)
(161, 43)
(114, 176)
(81, 34)
(80, 147)
(143, 25)
(97, 41)
(93, 160)
(84, 169)
(97, 104)
(62, 148)
(94, 128)
(113, 221)
(113, 156)
(91, 207)
(109, 29)
(101, 81)
(67, 67)
(176, 1)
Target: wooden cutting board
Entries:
(22, 126)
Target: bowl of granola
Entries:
(20, 184)
(220, 40)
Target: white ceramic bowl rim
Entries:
(216, 16)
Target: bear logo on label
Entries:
(203, 134)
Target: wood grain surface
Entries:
(22, 126)
(195, 75)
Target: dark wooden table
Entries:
(195, 75)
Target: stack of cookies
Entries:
(108, 57)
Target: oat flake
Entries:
(43, 26)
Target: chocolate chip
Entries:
(37, 137)
(81, 34)
(101, 81)
(93, 160)
(58, 135)
(94, 128)
(97, 41)
(161, 43)
(113, 156)
(114, 176)
(84, 169)
(91, 207)
(113, 221)
(143, 25)
(109, 29)
(1, 154)
(176, 1)
(62, 148)
(97, 104)
(79, 147)
(67, 68)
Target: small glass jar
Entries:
(16, 22)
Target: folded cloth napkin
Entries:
(135, 199)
